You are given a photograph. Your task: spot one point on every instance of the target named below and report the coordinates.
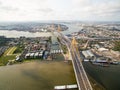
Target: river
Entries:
(109, 77)
(15, 34)
(36, 75)
(72, 28)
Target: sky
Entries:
(37, 10)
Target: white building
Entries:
(88, 55)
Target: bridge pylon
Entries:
(74, 42)
(59, 28)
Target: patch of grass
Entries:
(5, 53)
(4, 59)
(64, 48)
(116, 46)
(8, 55)
(29, 60)
(10, 51)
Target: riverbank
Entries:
(95, 84)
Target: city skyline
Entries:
(84, 10)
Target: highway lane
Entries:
(82, 80)
(78, 72)
(82, 71)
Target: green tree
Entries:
(116, 46)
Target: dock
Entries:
(64, 87)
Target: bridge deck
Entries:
(82, 79)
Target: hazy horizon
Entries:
(50, 21)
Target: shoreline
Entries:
(96, 85)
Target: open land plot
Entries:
(4, 59)
(8, 55)
(10, 51)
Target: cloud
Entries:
(81, 3)
(106, 10)
(0, 3)
(95, 9)
(45, 10)
(60, 9)
(8, 8)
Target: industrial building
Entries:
(56, 51)
(32, 55)
(88, 55)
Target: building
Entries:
(88, 55)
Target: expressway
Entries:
(81, 77)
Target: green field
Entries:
(4, 59)
(10, 51)
(8, 55)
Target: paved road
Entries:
(82, 79)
